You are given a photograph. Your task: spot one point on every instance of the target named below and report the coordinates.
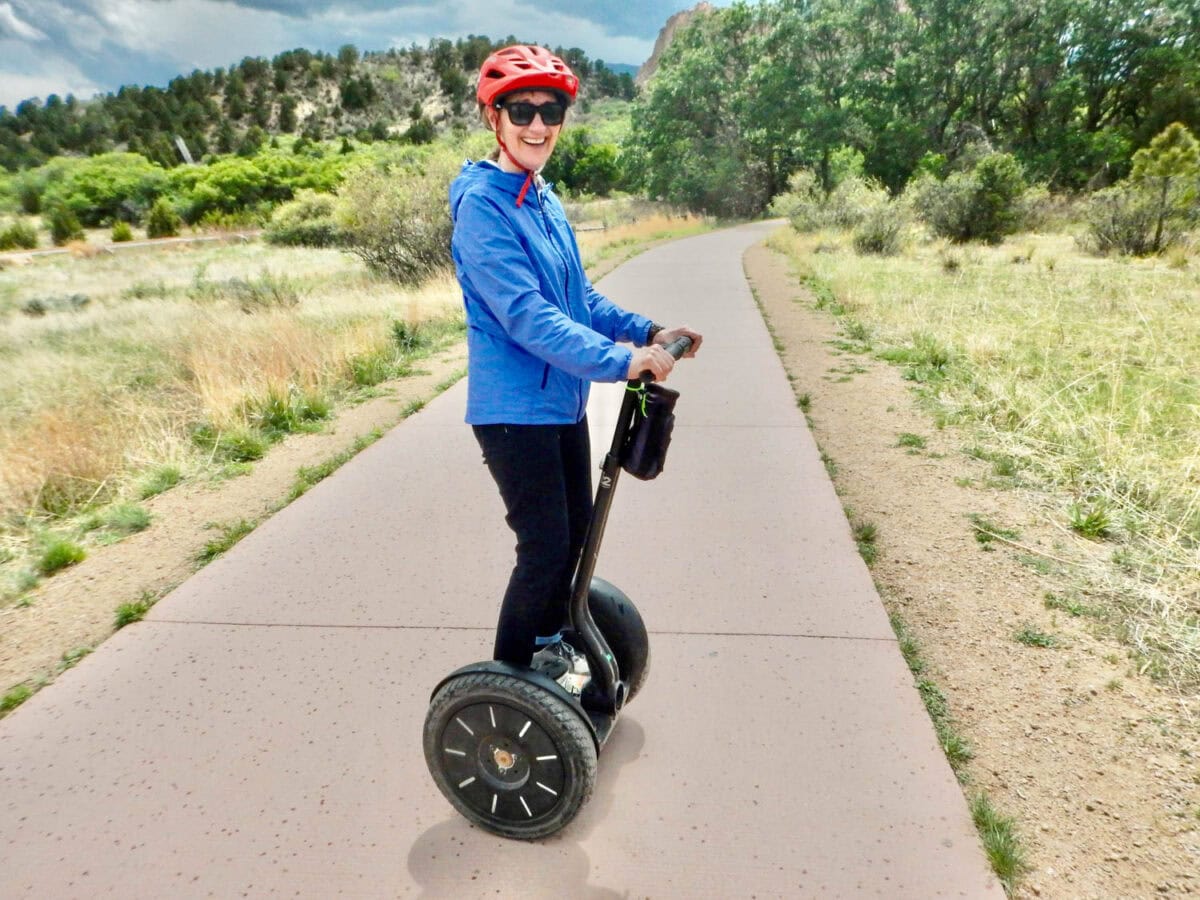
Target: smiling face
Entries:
(530, 145)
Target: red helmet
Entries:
(523, 68)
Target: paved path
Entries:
(259, 733)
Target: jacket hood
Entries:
(486, 176)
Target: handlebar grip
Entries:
(679, 346)
(676, 348)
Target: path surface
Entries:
(259, 733)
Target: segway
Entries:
(511, 747)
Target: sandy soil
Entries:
(1099, 767)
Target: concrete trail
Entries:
(260, 732)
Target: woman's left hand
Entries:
(665, 337)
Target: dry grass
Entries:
(1079, 374)
(94, 396)
(629, 229)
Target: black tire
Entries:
(623, 628)
(512, 757)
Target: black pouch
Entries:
(645, 448)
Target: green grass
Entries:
(1073, 375)
(15, 696)
(230, 534)
(119, 519)
(957, 749)
(913, 441)
(58, 553)
(1001, 843)
(1091, 521)
(128, 613)
(308, 476)
(865, 536)
(158, 480)
(1068, 605)
(72, 658)
(1032, 637)
(987, 531)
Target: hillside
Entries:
(408, 94)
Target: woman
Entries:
(537, 334)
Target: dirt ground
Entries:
(1097, 765)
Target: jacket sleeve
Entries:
(502, 275)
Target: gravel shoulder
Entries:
(1097, 764)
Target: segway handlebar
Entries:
(676, 348)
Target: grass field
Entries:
(124, 374)
(1077, 375)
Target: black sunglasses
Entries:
(522, 113)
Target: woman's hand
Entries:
(653, 359)
(667, 335)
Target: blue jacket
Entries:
(537, 331)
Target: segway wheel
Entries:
(512, 757)
(623, 628)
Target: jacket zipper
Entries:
(566, 294)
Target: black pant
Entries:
(544, 476)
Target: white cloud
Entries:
(25, 74)
(114, 42)
(12, 26)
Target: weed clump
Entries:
(18, 236)
(57, 554)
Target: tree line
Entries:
(747, 95)
(238, 110)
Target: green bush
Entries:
(881, 230)
(231, 184)
(104, 187)
(846, 207)
(397, 220)
(801, 204)
(1125, 219)
(121, 232)
(18, 236)
(64, 225)
(982, 204)
(849, 204)
(162, 221)
(307, 221)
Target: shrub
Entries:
(18, 235)
(849, 204)
(398, 222)
(983, 204)
(64, 225)
(882, 230)
(1124, 219)
(801, 203)
(106, 186)
(121, 232)
(307, 221)
(163, 221)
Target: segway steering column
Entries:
(605, 672)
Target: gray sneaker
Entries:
(560, 661)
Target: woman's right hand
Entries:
(653, 359)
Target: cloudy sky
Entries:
(86, 47)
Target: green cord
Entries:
(640, 389)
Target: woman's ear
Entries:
(492, 114)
